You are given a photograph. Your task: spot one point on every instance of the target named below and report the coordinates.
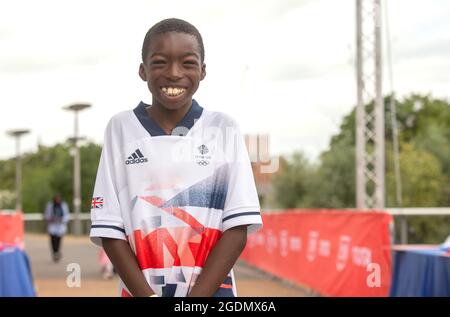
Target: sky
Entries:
(279, 67)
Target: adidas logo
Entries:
(136, 158)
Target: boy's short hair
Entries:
(172, 25)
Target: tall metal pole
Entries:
(17, 134)
(18, 176)
(395, 145)
(76, 180)
(76, 108)
(370, 184)
(379, 115)
(360, 114)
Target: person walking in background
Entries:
(56, 217)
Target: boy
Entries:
(174, 197)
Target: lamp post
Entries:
(76, 108)
(17, 134)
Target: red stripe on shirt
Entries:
(177, 212)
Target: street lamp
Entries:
(76, 108)
(17, 134)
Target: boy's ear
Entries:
(142, 73)
(203, 71)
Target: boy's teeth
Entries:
(172, 91)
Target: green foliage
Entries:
(292, 186)
(50, 171)
(422, 178)
(334, 181)
(424, 229)
(424, 137)
(7, 176)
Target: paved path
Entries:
(50, 278)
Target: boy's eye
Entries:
(157, 62)
(190, 62)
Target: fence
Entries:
(34, 222)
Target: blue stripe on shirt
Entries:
(108, 227)
(251, 213)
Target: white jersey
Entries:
(57, 226)
(172, 196)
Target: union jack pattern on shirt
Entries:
(97, 202)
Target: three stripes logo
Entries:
(136, 158)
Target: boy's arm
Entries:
(124, 261)
(220, 262)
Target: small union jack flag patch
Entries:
(97, 202)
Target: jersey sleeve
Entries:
(106, 216)
(241, 203)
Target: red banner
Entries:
(335, 253)
(11, 230)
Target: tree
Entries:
(50, 171)
(333, 184)
(291, 185)
(424, 136)
(422, 177)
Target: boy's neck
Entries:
(167, 119)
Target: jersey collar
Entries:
(182, 128)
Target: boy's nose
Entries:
(174, 71)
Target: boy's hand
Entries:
(220, 262)
(124, 261)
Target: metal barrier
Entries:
(34, 222)
(428, 211)
(403, 213)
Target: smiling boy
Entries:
(174, 197)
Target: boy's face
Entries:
(173, 69)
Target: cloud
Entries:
(279, 67)
(22, 63)
(275, 10)
(311, 69)
(439, 47)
